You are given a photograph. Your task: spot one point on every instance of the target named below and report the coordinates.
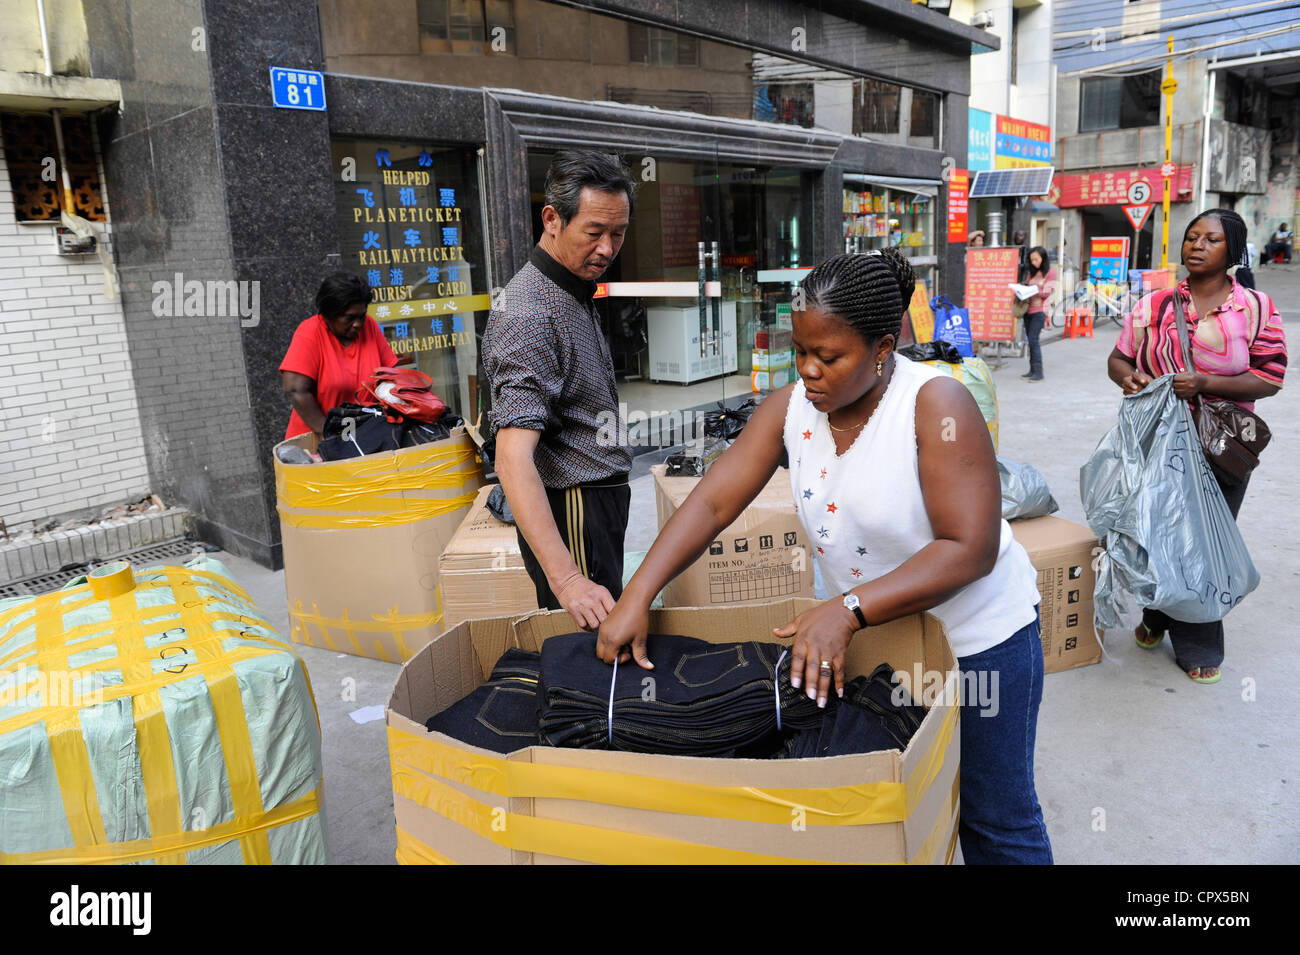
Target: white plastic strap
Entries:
(610, 716)
(777, 684)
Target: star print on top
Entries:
(807, 493)
(884, 455)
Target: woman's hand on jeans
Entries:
(628, 623)
(1188, 385)
(822, 633)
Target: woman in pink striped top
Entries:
(1238, 353)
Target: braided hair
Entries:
(870, 292)
(1234, 233)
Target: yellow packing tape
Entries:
(397, 511)
(393, 623)
(863, 804)
(140, 850)
(371, 491)
(111, 580)
(569, 840)
(411, 851)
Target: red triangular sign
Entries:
(1138, 214)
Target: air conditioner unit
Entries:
(982, 20)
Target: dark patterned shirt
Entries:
(550, 370)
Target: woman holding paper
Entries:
(896, 485)
(1041, 274)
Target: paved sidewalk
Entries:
(1135, 763)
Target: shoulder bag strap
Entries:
(1259, 317)
(1181, 318)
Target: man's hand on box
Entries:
(587, 601)
(822, 633)
(627, 624)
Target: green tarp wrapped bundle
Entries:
(155, 716)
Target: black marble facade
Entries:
(208, 180)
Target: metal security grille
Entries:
(165, 552)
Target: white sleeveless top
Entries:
(864, 514)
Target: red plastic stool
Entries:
(1078, 323)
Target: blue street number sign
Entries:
(297, 89)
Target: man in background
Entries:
(552, 382)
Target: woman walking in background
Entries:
(1039, 272)
(1238, 352)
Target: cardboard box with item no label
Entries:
(541, 805)
(762, 556)
(1062, 553)
(361, 543)
(482, 571)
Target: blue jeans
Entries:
(1001, 821)
(1034, 323)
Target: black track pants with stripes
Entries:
(592, 521)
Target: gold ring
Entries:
(826, 664)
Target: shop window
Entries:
(31, 153)
(925, 110)
(789, 103)
(875, 108)
(655, 47)
(410, 224)
(1119, 102)
(466, 26)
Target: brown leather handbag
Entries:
(1231, 437)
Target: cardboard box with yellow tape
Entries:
(361, 542)
(457, 803)
(155, 716)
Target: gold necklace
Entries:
(873, 410)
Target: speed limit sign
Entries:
(1139, 192)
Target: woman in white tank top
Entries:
(895, 481)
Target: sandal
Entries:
(1204, 674)
(1151, 640)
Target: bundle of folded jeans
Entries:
(702, 699)
(873, 715)
(501, 715)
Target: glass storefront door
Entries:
(756, 228)
(411, 222)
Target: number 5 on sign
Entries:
(297, 89)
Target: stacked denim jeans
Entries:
(867, 720)
(702, 699)
(501, 715)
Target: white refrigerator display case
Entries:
(674, 334)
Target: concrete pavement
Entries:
(1135, 763)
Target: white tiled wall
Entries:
(70, 435)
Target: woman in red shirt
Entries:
(332, 353)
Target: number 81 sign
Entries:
(297, 89)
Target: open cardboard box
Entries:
(361, 542)
(457, 803)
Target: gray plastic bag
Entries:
(1025, 493)
(1171, 541)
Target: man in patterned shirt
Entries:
(552, 381)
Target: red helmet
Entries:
(405, 391)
